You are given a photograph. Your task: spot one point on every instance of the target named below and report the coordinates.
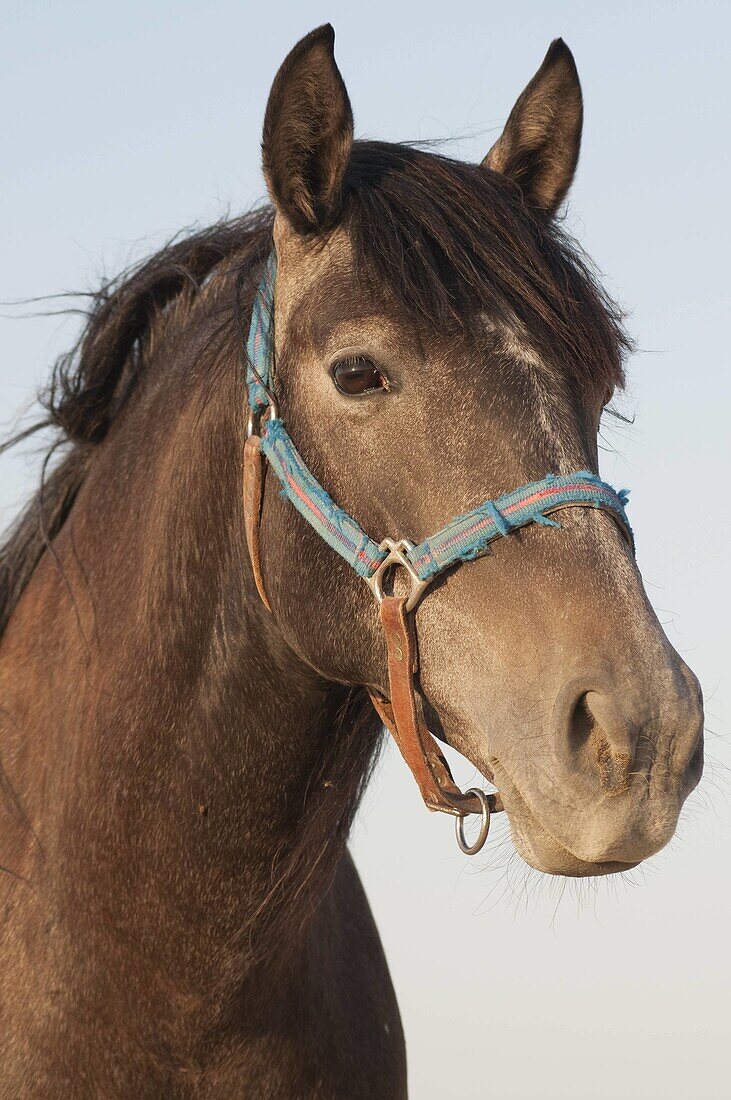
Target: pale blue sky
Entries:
(123, 123)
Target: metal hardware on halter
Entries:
(254, 419)
(397, 556)
(473, 849)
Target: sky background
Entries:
(123, 123)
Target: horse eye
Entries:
(357, 376)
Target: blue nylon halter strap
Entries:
(259, 346)
(463, 539)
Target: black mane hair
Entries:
(91, 383)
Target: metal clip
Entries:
(253, 423)
(397, 556)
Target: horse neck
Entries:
(197, 780)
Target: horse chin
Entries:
(615, 832)
(542, 851)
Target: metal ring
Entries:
(473, 849)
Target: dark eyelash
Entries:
(352, 360)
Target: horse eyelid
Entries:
(354, 359)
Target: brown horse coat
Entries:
(179, 767)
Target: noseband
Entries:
(466, 537)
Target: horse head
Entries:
(437, 342)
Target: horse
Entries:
(187, 725)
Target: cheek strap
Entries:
(403, 716)
(254, 474)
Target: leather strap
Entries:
(254, 472)
(403, 717)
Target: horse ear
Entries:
(308, 134)
(539, 147)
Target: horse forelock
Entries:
(454, 241)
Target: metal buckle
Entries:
(397, 556)
(253, 423)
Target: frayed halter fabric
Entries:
(466, 537)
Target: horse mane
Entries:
(449, 240)
(91, 383)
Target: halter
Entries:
(463, 539)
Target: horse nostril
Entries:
(598, 731)
(581, 725)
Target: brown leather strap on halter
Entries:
(254, 473)
(404, 718)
